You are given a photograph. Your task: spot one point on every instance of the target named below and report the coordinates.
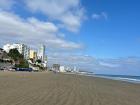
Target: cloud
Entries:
(6, 4)
(82, 62)
(102, 15)
(108, 64)
(70, 13)
(33, 31)
(127, 66)
(42, 26)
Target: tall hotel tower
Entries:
(41, 53)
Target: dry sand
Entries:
(60, 89)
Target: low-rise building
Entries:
(4, 55)
(62, 69)
(44, 64)
(56, 67)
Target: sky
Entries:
(102, 36)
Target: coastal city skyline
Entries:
(91, 36)
(35, 58)
(69, 52)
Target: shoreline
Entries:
(129, 80)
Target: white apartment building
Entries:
(23, 49)
(8, 47)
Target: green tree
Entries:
(15, 55)
(38, 61)
(22, 64)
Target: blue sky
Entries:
(99, 35)
(116, 36)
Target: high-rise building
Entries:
(41, 53)
(33, 55)
(26, 52)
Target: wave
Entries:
(133, 79)
(129, 79)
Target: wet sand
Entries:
(17, 88)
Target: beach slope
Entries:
(18, 88)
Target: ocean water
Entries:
(128, 78)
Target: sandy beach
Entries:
(18, 88)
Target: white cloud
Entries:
(110, 65)
(127, 66)
(81, 61)
(42, 26)
(32, 31)
(102, 15)
(69, 13)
